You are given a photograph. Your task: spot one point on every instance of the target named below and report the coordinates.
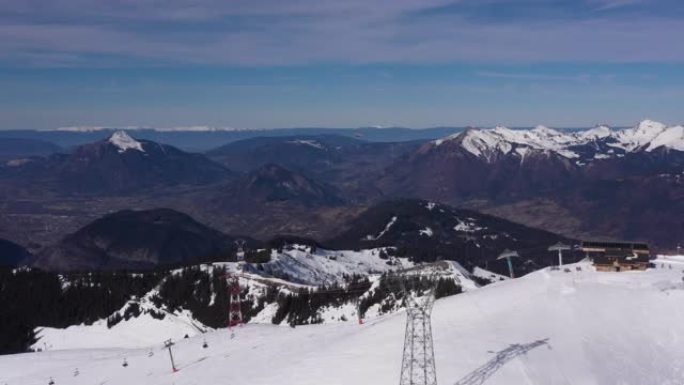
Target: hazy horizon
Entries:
(203, 128)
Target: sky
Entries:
(339, 63)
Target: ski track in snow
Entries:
(596, 328)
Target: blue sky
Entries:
(273, 63)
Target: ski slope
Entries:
(578, 327)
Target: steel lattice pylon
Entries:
(235, 311)
(418, 362)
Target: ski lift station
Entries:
(617, 256)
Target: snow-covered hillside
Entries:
(296, 267)
(577, 326)
(601, 141)
(301, 264)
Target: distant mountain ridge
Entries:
(17, 148)
(582, 147)
(621, 184)
(274, 183)
(191, 139)
(351, 165)
(116, 165)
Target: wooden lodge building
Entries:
(617, 256)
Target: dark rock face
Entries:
(138, 239)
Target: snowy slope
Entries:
(140, 331)
(144, 329)
(299, 264)
(580, 327)
(302, 267)
(490, 143)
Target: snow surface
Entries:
(671, 137)
(137, 332)
(486, 274)
(310, 143)
(490, 143)
(581, 327)
(124, 142)
(146, 330)
(467, 226)
(426, 231)
(319, 267)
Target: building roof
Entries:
(615, 245)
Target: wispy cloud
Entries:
(274, 32)
(535, 77)
(603, 5)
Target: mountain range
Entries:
(620, 184)
(599, 183)
(411, 229)
(138, 240)
(117, 165)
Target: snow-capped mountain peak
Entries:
(650, 125)
(124, 142)
(543, 130)
(598, 132)
(641, 135)
(488, 143)
(501, 140)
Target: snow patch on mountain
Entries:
(388, 226)
(468, 226)
(310, 143)
(598, 132)
(124, 142)
(426, 231)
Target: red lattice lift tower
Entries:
(234, 308)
